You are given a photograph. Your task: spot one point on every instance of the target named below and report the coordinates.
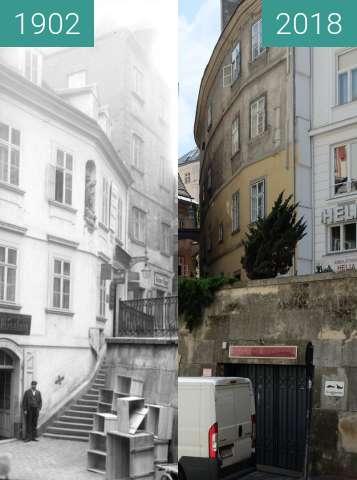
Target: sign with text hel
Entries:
(15, 323)
(307, 23)
(263, 351)
(47, 23)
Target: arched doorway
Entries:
(10, 377)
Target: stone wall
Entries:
(321, 309)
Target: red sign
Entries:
(263, 351)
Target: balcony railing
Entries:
(149, 317)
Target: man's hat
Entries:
(33, 382)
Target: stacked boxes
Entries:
(129, 438)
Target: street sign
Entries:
(263, 351)
(334, 388)
(119, 277)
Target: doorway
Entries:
(6, 395)
(281, 399)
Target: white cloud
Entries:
(196, 42)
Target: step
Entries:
(79, 413)
(93, 391)
(66, 437)
(84, 408)
(73, 425)
(86, 402)
(68, 431)
(76, 419)
(90, 396)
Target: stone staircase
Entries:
(76, 422)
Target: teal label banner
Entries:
(47, 23)
(309, 23)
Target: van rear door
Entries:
(226, 415)
(244, 420)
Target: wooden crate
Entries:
(106, 395)
(130, 456)
(104, 407)
(97, 461)
(161, 450)
(129, 386)
(104, 422)
(159, 421)
(116, 395)
(131, 414)
(98, 441)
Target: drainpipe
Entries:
(293, 70)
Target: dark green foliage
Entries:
(194, 294)
(271, 241)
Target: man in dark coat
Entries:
(32, 404)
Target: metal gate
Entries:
(281, 396)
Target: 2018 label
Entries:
(300, 23)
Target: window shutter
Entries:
(51, 182)
(227, 75)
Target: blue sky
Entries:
(199, 29)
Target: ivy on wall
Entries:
(195, 294)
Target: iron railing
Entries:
(149, 317)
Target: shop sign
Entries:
(105, 271)
(15, 323)
(334, 388)
(119, 277)
(339, 264)
(161, 280)
(339, 213)
(207, 372)
(263, 351)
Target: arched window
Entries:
(5, 360)
(89, 201)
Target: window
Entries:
(235, 212)
(137, 152)
(235, 136)
(139, 225)
(257, 200)
(209, 178)
(61, 284)
(63, 177)
(257, 40)
(9, 154)
(166, 243)
(138, 82)
(236, 62)
(345, 169)
(105, 202)
(343, 237)
(257, 117)
(347, 76)
(187, 177)
(102, 298)
(120, 220)
(209, 238)
(32, 66)
(164, 174)
(220, 232)
(209, 116)
(8, 267)
(113, 208)
(77, 79)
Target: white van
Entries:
(216, 426)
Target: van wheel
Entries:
(181, 473)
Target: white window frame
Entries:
(220, 233)
(139, 225)
(258, 117)
(236, 62)
(349, 182)
(187, 178)
(113, 214)
(349, 71)
(32, 74)
(11, 167)
(67, 173)
(105, 213)
(235, 135)
(235, 211)
(102, 296)
(63, 277)
(257, 39)
(119, 232)
(255, 195)
(166, 240)
(138, 82)
(6, 266)
(137, 144)
(342, 238)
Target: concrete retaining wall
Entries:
(321, 309)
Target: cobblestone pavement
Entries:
(48, 459)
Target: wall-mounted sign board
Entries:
(334, 388)
(263, 351)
